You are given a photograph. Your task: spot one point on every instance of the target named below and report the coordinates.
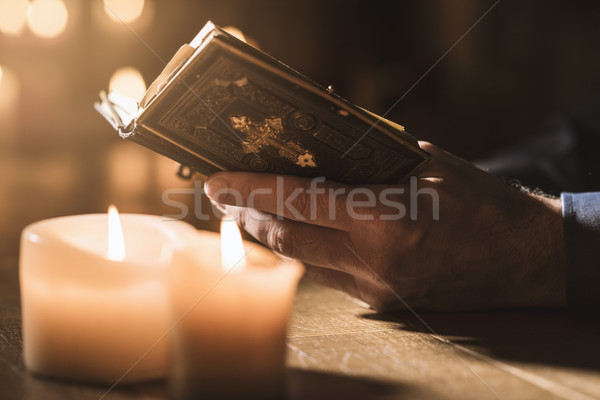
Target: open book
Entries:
(221, 104)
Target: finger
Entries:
(314, 201)
(308, 243)
(443, 163)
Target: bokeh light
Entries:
(129, 173)
(124, 10)
(9, 105)
(130, 82)
(47, 18)
(13, 15)
(232, 30)
(9, 87)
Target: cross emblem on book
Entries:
(268, 133)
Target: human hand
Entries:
(451, 238)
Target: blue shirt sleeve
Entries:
(581, 218)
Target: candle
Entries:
(94, 297)
(229, 321)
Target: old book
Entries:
(221, 104)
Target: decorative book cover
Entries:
(221, 104)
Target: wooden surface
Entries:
(339, 349)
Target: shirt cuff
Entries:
(581, 219)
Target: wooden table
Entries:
(339, 349)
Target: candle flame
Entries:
(116, 243)
(232, 247)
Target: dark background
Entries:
(523, 62)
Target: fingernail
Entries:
(213, 185)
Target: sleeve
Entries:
(581, 219)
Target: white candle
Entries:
(90, 315)
(229, 317)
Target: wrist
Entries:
(548, 273)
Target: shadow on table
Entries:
(316, 385)
(32, 387)
(301, 384)
(537, 336)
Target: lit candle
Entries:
(229, 320)
(94, 295)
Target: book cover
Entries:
(221, 104)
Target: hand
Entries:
(451, 238)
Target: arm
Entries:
(451, 238)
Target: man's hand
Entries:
(451, 238)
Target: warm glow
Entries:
(9, 95)
(124, 10)
(128, 81)
(116, 243)
(129, 172)
(232, 247)
(47, 18)
(13, 15)
(232, 30)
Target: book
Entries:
(221, 104)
